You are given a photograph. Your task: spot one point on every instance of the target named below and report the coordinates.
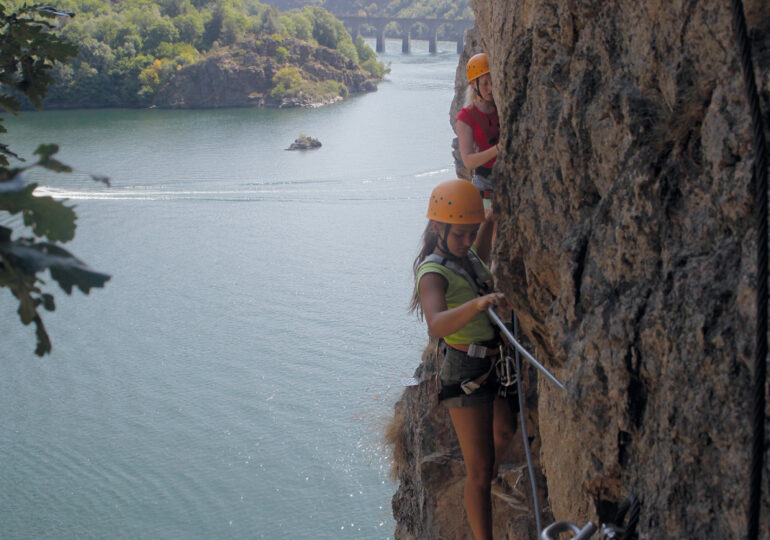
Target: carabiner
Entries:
(506, 374)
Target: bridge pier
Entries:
(380, 48)
(433, 38)
(460, 42)
(406, 42)
(433, 43)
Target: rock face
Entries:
(626, 244)
(242, 75)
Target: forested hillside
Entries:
(130, 50)
(435, 9)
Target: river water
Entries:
(234, 377)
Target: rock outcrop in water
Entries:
(626, 244)
(303, 142)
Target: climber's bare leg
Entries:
(473, 426)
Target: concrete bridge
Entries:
(456, 27)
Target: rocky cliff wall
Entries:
(626, 244)
(627, 247)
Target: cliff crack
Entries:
(636, 392)
(580, 264)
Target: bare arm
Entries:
(472, 158)
(442, 321)
(483, 242)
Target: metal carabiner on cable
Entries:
(611, 532)
(554, 529)
(496, 319)
(505, 371)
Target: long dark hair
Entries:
(429, 243)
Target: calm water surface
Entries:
(233, 378)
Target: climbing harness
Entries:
(475, 350)
(759, 174)
(479, 286)
(469, 386)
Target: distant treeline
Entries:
(432, 9)
(129, 48)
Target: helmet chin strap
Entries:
(476, 89)
(442, 243)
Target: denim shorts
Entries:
(483, 183)
(456, 367)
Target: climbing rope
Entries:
(759, 174)
(527, 451)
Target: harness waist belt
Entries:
(486, 193)
(476, 350)
(483, 171)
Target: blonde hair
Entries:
(471, 97)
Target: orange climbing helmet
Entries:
(477, 66)
(456, 201)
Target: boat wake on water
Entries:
(437, 172)
(329, 190)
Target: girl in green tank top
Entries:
(455, 314)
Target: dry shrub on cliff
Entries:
(395, 438)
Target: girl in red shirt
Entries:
(478, 127)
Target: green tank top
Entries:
(458, 292)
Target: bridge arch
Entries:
(404, 26)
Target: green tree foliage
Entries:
(160, 31)
(287, 83)
(281, 54)
(326, 28)
(290, 84)
(29, 51)
(129, 49)
(434, 9)
(190, 27)
(368, 59)
(328, 31)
